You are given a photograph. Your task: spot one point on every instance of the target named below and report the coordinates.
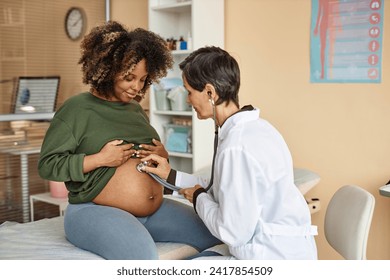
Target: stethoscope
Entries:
(142, 164)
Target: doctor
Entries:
(253, 205)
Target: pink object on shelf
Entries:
(58, 189)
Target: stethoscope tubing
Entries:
(164, 183)
(157, 178)
(176, 188)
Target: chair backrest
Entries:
(348, 221)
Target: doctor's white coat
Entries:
(254, 206)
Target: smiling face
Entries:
(200, 100)
(127, 87)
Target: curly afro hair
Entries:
(111, 49)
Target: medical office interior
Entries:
(339, 131)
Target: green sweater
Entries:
(82, 126)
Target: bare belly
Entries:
(132, 191)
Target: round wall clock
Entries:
(75, 23)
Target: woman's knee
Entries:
(176, 222)
(109, 232)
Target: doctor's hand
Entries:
(162, 169)
(157, 149)
(188, 193)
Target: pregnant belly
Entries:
(132, 191)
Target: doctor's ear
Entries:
(210, 90)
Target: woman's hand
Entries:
(112, 154)
(157, 149)
(188, 193)
(162, 169)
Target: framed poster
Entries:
(346, 41)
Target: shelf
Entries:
(27, 117)
(174, 8)
(173, 19)
(182, 155)
(181, 52)
(173, 113)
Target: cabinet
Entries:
(12, 48)
(203, 22)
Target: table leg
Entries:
(62, 210)
(8, 180)
(32, 208)
(25, 190)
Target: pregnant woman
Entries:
(97, 138)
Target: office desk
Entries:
(23, 150)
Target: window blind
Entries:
(34, 44)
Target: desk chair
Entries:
(348, 220)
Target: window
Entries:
(34, 44)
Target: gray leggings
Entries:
(116, 234)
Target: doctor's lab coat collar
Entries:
(244, 115)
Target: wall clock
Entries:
(75, 23)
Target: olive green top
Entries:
(82, 126)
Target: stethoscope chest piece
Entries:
(141, 165)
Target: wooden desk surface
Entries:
(21, 147)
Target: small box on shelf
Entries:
(162, 102)
(178, 138)
(171, 95)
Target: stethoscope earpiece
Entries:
(210, 99)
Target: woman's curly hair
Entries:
(111, 49)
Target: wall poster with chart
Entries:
(346, 41)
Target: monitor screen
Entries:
(35, 95)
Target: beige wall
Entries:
(95, 16)
(133, 13)
(339, 131)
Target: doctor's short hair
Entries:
(215, 66)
